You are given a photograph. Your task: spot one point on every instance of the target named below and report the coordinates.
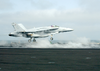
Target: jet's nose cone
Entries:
(69, 29)
(72, 29)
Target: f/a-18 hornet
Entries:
(40, 32)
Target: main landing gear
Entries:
(51, 37)
(34, 40)
(31, 39)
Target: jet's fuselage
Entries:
(39, 32)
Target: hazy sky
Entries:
(81, 15)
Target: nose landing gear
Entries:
(51, 37)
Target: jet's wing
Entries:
(39, 30)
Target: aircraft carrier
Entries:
(21, 57)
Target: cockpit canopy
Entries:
(54, 26)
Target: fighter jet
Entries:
(40, 32)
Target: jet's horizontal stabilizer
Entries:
(18, 27)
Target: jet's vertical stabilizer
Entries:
(18, 27)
